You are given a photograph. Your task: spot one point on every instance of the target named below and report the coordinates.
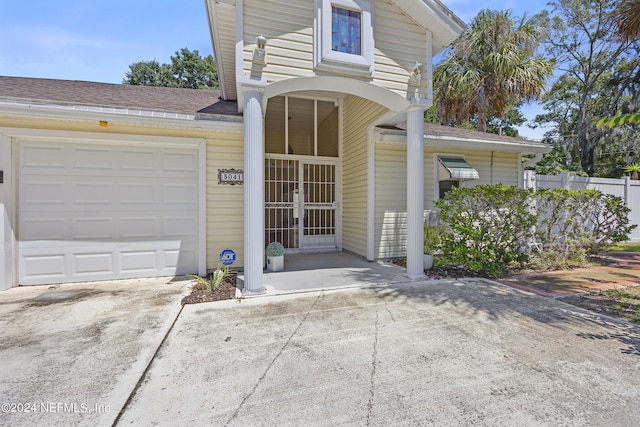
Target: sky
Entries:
(97, 40)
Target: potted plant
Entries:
(275, 256)
(431, 245)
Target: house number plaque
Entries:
(230, 176)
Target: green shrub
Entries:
(575, 223)
(489, 228)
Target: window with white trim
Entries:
(344, 37)
(346, 30)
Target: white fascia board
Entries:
(101, 138)
(217, 52)
(424, 11)
(239, 53)
(524, 147)
(121, 116)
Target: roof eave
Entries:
(392, 136)
(422, 11)
(213, 31)
(120, 116)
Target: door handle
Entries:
(296, 204)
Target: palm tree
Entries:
(627, 17)
(490, 67)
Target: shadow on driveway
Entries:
(467, 352)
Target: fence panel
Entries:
(625, 188)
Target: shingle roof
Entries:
(435, 130)
(172, 100)
(76, 92)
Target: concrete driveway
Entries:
(469, 352)
(72, 355)
(442, 353)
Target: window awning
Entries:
(456, 168)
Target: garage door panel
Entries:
(45, 227)
(90, 212)
(90, 159)
(136, 228)
(139, 260)
(44, 266)
(186, 226)
(42, 191)
(179, 162)
(179, 194)
(178, 258)
(93, 263)
(86, 228)
(41, 158)
(76, 261)
(137, 194)
(138, 160)
(85, 159)
(91, 193)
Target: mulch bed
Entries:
(202, 293)
(439, 272)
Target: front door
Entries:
(300, 203)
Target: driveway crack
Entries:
(374, 365)
(146, 370)
(277, 356)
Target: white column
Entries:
(415, 191)
(253, 191)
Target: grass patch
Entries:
(623, 303)
(625, 247)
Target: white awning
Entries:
(456, 168)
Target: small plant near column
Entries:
(275, 256)
(432, 244)
(217, 277)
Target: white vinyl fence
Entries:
(625, 188)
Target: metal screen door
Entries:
(300, 203)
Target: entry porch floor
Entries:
(307, 272)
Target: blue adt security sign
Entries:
(227, 257)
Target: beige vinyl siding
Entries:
(358, 114)
(225, 203)
(288, 27)
(225, 213)
(391, 194)
(399, 44)
(390, 237)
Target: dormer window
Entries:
(344, 37)
(345, 30)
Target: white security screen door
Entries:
(300, 203)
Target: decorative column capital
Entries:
(248, 87)
(419, 104)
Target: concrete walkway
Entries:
(621, 269)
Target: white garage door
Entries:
(99, 212)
